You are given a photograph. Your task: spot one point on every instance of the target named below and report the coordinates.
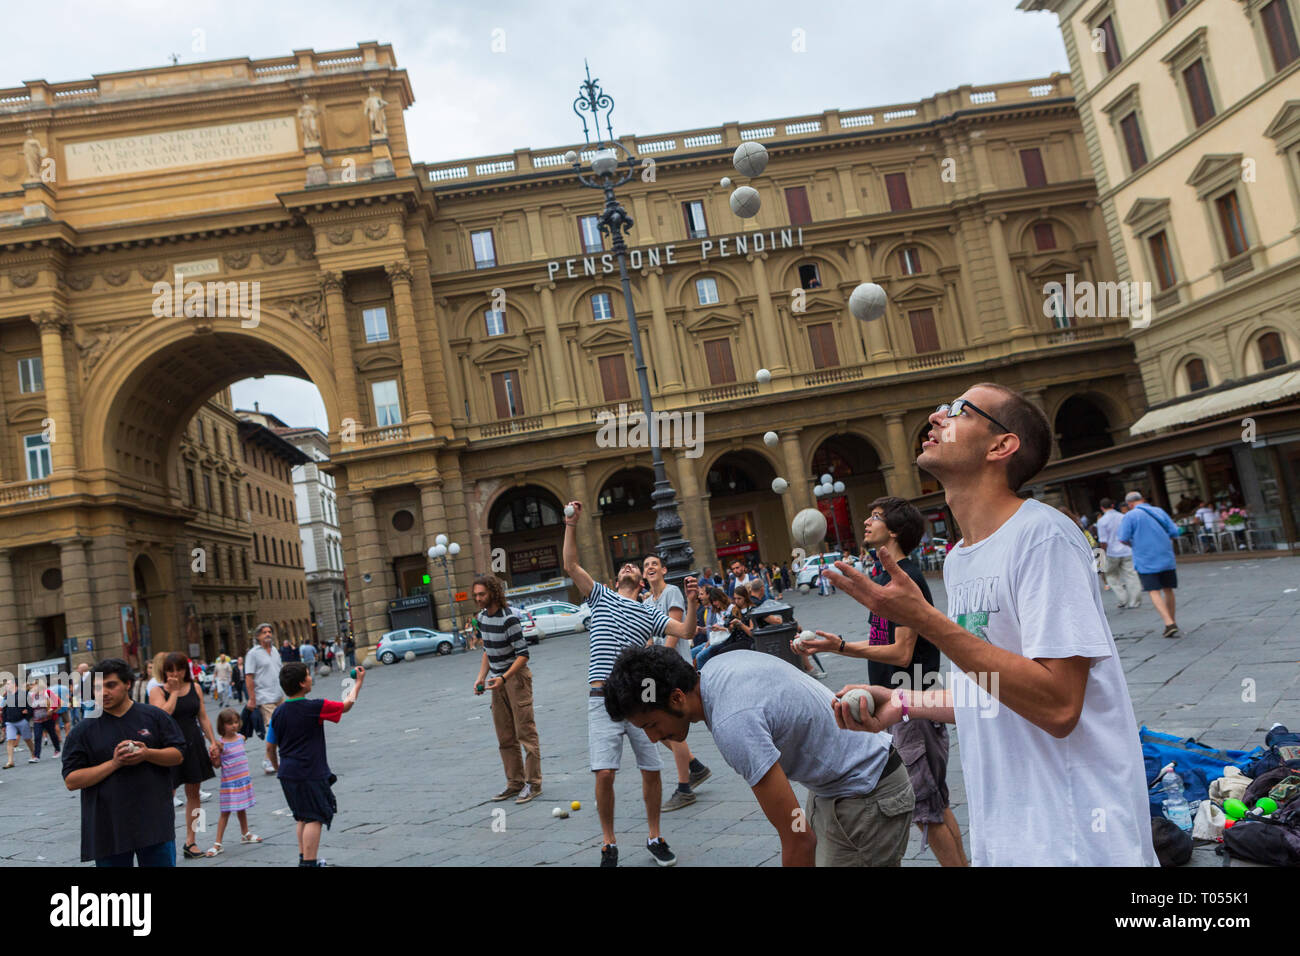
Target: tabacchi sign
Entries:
(724, 247)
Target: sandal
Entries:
(193, 854)
(8, 766)
(250, 837)
(216, 848)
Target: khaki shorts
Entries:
(605, 741)
(870, 830)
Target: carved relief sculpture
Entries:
(374, 107)
(33, 154)
(309, 117)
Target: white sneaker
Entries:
(35, 760)
(266, 766)
(204, 796)
(178, 801)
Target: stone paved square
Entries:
(417, 758)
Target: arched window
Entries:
(1272, 353)
(1197, 378)
(525, 513)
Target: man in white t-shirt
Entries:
(262, 678)
(1117, 557)
(1049, 747)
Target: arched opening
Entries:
(1081, 427)
(137, 620)
(627, 520)
(743, 508)
(852, 460)
(527, 523)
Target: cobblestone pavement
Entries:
(417, 758)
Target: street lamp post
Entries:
(440, 551)
(832, 491)
(674, 550)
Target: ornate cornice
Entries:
(399, 271)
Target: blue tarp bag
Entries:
(1195, 762)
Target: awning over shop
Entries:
(1197, 409)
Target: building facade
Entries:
(464, 327)
(318, 530)
(282, 599)
(1192, 118)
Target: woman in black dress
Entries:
(181, 698)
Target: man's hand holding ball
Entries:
(572, 511)
(866, 708)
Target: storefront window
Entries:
(734, 529)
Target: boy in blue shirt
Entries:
(298, 731)
(1150, 533)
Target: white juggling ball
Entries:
(750, 159)
(771, 439)
(858, 699)
(779, 485)
(725, 182)
(867, 302)
(745, 202)
(808, 528)
(763, 376)
(568, 511)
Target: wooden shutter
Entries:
(924, 334)
(502, 398)
(1198, 92)
(796, 201)
(1044, 236)
(1271, 352)
(896, 187)
(1234, 233)
(1196, 377)
(821, 338)
(613, 378)
(718, 355)
(1137, 154)
(1164, 262)
(1280, 32)
(1031, 161)
(1111, 53)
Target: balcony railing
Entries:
(842, 374)
(725, 393)
(24, 491)
(387, 433)
(936, 359)
(512, 425)
(628, 407)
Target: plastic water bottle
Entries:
(1175, 805)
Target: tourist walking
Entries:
(1117, 557)
(45, 716)
(122, 763)
(1149, 531)
(262, 681)
(236, 782)
(181, 698)
(18, 724)
(222, 672)
(505, 657)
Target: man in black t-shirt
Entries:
(899, 657)
(121, 762)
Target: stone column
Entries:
(433, 520)
(900, 450)
(373, 616)
(974, 331)
(800, 491)
(668, 368)
(1006, 279)
(556, 361)
(345, 376)
(850, 193)
(876, 332)
(455, 389)
(10, 637)
(772, 358)
(429, 331)
(417, 392)
(695, 516)
(63, 442)
(589, 549)
(78, 593)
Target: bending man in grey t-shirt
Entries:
(774, 726)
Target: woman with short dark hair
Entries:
(181, 697)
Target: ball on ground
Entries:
(858, 699)
(867, 302)
(557, 812)
(575, 805)
(779, 485)
(763, 376)
(771, 439)
(808, 528)
(745, 202)
(409, 656)
(750, 159)
(568, 511)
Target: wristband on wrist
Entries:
(841, 650)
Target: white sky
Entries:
(669, 64)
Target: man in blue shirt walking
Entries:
(1149, 531)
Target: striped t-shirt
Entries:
(503, 639)
(617, 623)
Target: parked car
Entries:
(394, 644)
(532, 633)
(810, 573)
(559, 617)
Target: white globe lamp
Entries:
(453, 549)
(441, 539)
(838, 488)
(827, 479)
(604, 162)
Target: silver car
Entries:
(559, 617)
(394, 645)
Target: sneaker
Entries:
(609, 855)
(266, 766)
(178, 801)
(699, 776)
(507, 793)
(1172, 631)
(529, 792)
(204, 795)
(34, 760)
(678, 800)
(659, 850)
(818, 673)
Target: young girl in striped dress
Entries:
(236, 782)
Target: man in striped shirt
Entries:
(618, 620)
(505, 654)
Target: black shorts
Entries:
(311, 801)
(1159, 580)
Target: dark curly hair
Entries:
(643, 678)
(496, 589)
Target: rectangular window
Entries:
(30, 378)
(38, 457)
(924, 334)
(1173, 6)
(821, 338)
(1137, 153)
(387, 409)
(485, 253)
(896, 186)
(376, 323)
(1234, 229)
(1280, 32)
(717, 353)
(1110, 44)
(810, 276)
(613, 378)
(1271, 353)
(221, 497)
(589, 231)
(909, 260)
(696, 226)
(796, 202)
(189, 482)
(207, 491)
(508, 394)
(1044, 236)
(203, 435)
(1196, 377)
(706, 291)
(1031, 161)
(496, 321)
(1163, 259)
(1198, 93)
(602, 307)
